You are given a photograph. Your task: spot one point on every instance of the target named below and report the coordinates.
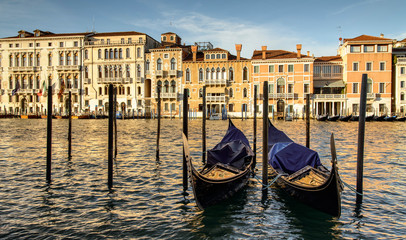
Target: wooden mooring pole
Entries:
(308, 120)
(110, 140)
(159, 122)
(255, 125)
(49, 134)
(115, 122)
(70, 126)
(204, 126)
(265, 138)
(185, 131)
(361, 137)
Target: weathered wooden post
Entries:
(185, 131)
(255, 125)
(265, 138)
(49, 134)
(361, 137)
(242, 112)
(70, 126)
(110, 136)
(115, 122)
(308, 120)
(159, 122)
(246, 111)
(204, 126)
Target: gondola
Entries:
(380, 118)
(333, 118)
(228, 167)
(390, 118)
(299, 172)
(370, 118)
(345, 118)
(401, 119)
(354, 118)
(322, 117)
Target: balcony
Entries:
(327, 76)
(138, 79)
(114, 80)
(329, 96)
(282, 95)
(159, 73)
(371, 96)
(402, 59)
(24, 69)
(216, 98)
(166, 95)
(216, 82)
(173, 73)
(147, 72)
(68, 68)
(72, 90)
(88, 81)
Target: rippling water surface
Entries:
(147, 200)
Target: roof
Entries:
(168, 33)
(107, 34)
(54, 35)
(200, 57)
(171, 46)
(328, 59)
(404, 40)
(276, 54)
(216, 50)
(366, 38)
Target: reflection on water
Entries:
(147, 200)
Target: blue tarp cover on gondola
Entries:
(232, 149)
(286, 155)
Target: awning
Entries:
(329, 84)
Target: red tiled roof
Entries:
(107, 34)
(168, 33)
(172, 46)
(404, 40)
(276, 54)
(200, 57)
(216, 50)
(328, 59)
(53, 35)
(366, 38)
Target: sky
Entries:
(279, 25)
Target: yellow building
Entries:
(226, 77)
(289, 75)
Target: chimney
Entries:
(382, 35)
(308, 53)
(299, 48)
(264, 52)
(238, 48)
(194, 51)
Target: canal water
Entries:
(147, 201)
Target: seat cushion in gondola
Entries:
(291, 157)
(232, 153)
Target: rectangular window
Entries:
(17, 45)
(30, 44)
(382, 48)
(100, 103)
(402, 70)
(271, 68)
(60, 44)
(129, 40)
(280, 68)
(382, 66)
(75, 44)
(290, 68)
(381, 87)
(10, 45)
(122, 40)
(290, 88)
(108, 41)
(382, 107)
(355, 88)
(355, 107)
(355, 49)
(355, 66)
(306, 88)
(38, 44)
(86, 102)
(306, 68)
(368, 66)
(49, 44)
(270, 88)
(369, 48)
(402, 84)
(256, 69)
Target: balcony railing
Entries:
(402, 59)
(328, 75)
(88, 81)
(173, 73)
(114, 80)
(216, 98)
(216, 82)
(159, 73)
(282, 95)
(68, 68)
(166, 95)
(126, 42)
(329, 96)
(73, 90)
(138, 79)
(24, 69)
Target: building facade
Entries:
(399, 77)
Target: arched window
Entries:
(207, 73)
(38, 59)
(11, 60)
(61, 57)
(369, 86)
(69, 59)
(106, 54)
(111, 54)
(245, 93)
(213, 56)
(230, 93)
(120, 71)
(166, 86)
(111, 71)
(187, 75)
(31, 83)
(86, 54)
(50, 59)
(138, 71)
(115, 53)
(159, 64)
(213, 71)
(173, 64)
(106, 72)
(99, 54)
(200, 92)
(38, 83)
(75, 59)
(31, 60)
(147, 66)
(127, 53)
(218, 73)
(207, 56)
(231, 74)
(138, 52)
(200, 75)
(159, 85)
(24, 63)
(120, 53)
(127, 69)
(402, 96)
(223, 73)
(128, 90)
(86, 91)
(115, 72)
(280, 85)
(173, 86)
(86, 72)
(245, 74)
(99, 69)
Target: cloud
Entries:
(225, 33)
(354, 5)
